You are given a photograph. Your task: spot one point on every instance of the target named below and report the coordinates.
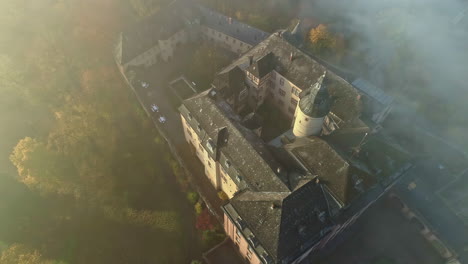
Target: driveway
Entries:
(157, 93)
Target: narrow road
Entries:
(156, 93)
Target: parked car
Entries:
(144, 84)
(154, 108)
(162, 119)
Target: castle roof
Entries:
(252, 166)
(315, 101)
(303, 71)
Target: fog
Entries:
(428, 35)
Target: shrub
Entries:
(205, 221)
(211, 238)
(198, 208)
(192, 197)
(196, 262)
(223, 196)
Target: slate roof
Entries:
(315, 101)
(145, 34)
(230, 83)
(288, 228)
(249, 156)
(231, 27)
(440, 198)
(303, 71)
(372, 91)
(263, 66)
(331, 167)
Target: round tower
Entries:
(314, 105)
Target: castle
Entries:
(290, 197)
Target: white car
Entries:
(162, 119)
(144, 84)
(154, 108)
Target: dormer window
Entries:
(199, 128)
(238, 178)
(210, 145)
(266, 258)
(253, 241)
(189, 115)
(227, 163)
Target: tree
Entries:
(145, 8)
(196, 262)
(20, 254)
(42, 169)
(198, 208)
(212, 237)
(321, 39)
(223, 196)
(205, 221)
(192, 197)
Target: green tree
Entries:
(192, 197)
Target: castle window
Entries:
(280, 102)
(243, 94)
(282, 92)
(238, 178)
(282, 81)
(293, 101)
(291, 110)
(295, 91)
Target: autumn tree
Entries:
(321, 39)
(20, 254)
(205, 221)
(42, 169)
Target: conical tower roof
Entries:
(316, 100)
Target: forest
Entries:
(84, 175)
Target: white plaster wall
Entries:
(233, 44)
(286, 99)
(201, 152)
(306, 126)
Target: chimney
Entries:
(250, 60)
